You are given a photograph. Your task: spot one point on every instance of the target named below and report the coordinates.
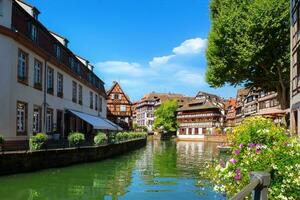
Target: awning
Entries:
(97, 122)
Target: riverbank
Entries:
(22, 161)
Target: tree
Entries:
(249, 45)
(165, 116)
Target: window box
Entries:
(60, 94)
(50, 91)
(38, 86)
(23, 80)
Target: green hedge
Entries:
(36, 142)
(123, 136)
(100, 138)
(76, 138)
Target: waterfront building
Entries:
(230, 112)
(240, 99)
(119, 106)
(45, 86)
(144, 109)
(201, 116)
(253, 102)
(295, 67)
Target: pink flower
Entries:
(238, 174)
(222, 163)
(241, 145)
(237, 152)
(232, 160)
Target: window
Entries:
(50, 80)
(21, 118)
(49, 120)
(22, 66)
(72, 63)
(100, 104)
(112, 96)
(190, 131)
(37, 119)
(96, 102)
(33, 32)
(74, 92)
(80, 94)
(57, 51)
(60, 86)
(119, 96)
(78, 70)
(116, 96)
(196, 131)
(91, 100)
(123, 108)
(37, 74)
(1, 7)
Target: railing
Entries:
(258, 185)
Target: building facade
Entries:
(295, 67)
(201, 116)
(45, 86)
(119, 107)
(230, 112)
(144, 109)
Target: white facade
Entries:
(12, 91)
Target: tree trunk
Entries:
(283, 96)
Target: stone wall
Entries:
(18, 162)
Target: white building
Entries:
(45, 87)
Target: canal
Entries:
(161, 170)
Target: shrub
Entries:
(75, 139)
(1, 140)
(123, 136)
(36, 142)
(260, 145)
(100, 138)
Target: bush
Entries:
(37, 141)
(123, 136)
(1, 140)
(100, 138)
(75, 139)
(260, 145)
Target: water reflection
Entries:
(163, 170)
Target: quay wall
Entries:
(22, 161)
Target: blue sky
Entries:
(146, 45)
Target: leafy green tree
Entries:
(165, 116)
(249, 45)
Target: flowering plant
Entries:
(260, 145)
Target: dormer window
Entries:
(57, 51)
(33, 32)
(72, 63)
(35, 15)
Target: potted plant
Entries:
(37, 141)
(100, 138)
(76, 139)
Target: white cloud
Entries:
(191, 46)
(120, 67)
(160, 60)
(190, 77)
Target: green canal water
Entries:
(161, 170)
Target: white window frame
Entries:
(74, 91)
(80, 93)
(36, 124)
(21, 117)
(123, 108)
(22, 64)
(96, 102)
(91, 100)
(49, 121)
(37, 71)
(60, 81)
(50, 78)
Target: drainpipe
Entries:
(45, 97)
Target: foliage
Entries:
(259, 145)
(136, 127)
(249, 44)
(165, 116)
(1, 140)
(75, 138)
(123, 136)
(257, 130)
(100, 138)
(36, 142)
